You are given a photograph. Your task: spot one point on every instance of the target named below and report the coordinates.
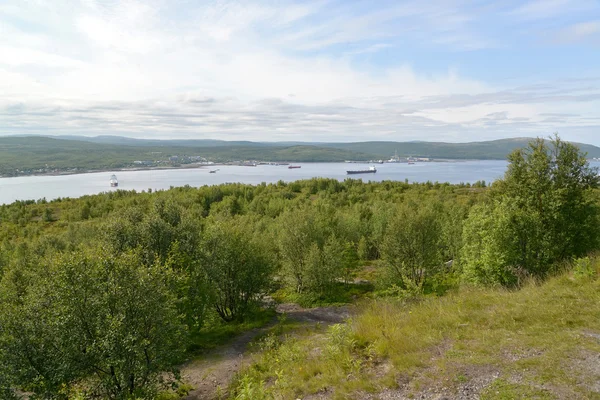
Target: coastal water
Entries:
(52, 187)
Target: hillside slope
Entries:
(491, 150)
(31, 154)
(494, 149)
(540, 342)
(34, 154)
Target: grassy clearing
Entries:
(339, 294)
(529, 343)
(220, 333)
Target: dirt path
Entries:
(211, 375)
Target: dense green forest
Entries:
(37, 155)
(104, 296)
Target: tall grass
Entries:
(529, 336)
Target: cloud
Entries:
(16, 57)
(521, 112)
(281, 69)
(542, 9)
(578, 32)
(538, 9)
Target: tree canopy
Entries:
(543, 211)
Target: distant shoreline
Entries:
(204, 166)
(94, 171)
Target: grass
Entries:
(340, 293)
(181, 390)
(220, 333)
(504, 390)
(516, 344)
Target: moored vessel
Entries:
(371, 170)
(294, 166)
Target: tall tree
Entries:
(237, 268)
(412, 247)
(108, 321)
(298, 230)
(543, 211)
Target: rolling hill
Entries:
(23, 155)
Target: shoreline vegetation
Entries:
(311, 289)
(37, 155)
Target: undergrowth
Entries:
(338, 294)
(528, 338)
(219, 333)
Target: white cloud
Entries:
(540, 8)
(272, 69)
(20, 56)
(579, 32)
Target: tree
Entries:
(237, 269)
(412, 245)
(107, 321)
(543, 211)
(324, 266)
(488, 237)
(298, 231)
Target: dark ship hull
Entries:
(363, 171)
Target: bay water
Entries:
(52, 187)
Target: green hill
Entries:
(31, 154)
(486, 150)
(34, 154)
(491, 150)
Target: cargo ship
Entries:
(294, 166)
(113, 181)
(371, 170)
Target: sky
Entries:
(285, 70)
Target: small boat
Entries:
(371, 170)
(213, 171)
(294, 166)
(411, 162)
(113, 181)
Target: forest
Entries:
(105, 296)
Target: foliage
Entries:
(454, 337)
(412, 244)
(299, 238)
(585, 268)
(93, 317)
(236, 267)
(91, 283)
(543, 211)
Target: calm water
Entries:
(51, 187)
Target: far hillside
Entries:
(490, 150)
(28, 155)
(486, 150)
(37, 155)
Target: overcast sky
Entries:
(325, 70)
